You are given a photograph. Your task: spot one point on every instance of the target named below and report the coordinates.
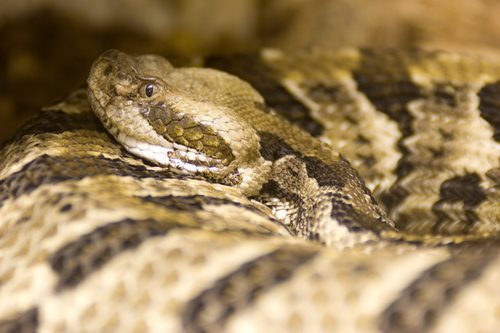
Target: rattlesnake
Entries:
(216, 202)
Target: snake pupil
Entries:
(149, 90)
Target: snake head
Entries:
(183, 119)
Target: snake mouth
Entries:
(178, 158)
(153, 147)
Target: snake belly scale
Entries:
(349, 191)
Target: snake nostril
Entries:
(108, 70)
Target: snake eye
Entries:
(148, 90)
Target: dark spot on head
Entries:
(108, 70)
(123, 76)
(175, 126)
(344, 213)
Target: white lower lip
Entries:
(160, 155)
(153, 153)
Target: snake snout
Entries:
(105, 65)
(102, 69)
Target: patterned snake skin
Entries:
(202, 201)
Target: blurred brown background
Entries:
(47, 46)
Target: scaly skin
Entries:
(95, 239)
(248, 145)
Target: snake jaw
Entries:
(153, 153)
(179, 158)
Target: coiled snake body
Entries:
(202, 201)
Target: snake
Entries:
(355, 190)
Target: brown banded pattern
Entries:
(87, 254)
(419, 306)
(209, 311)
(95, 239)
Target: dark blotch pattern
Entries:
(196, 202)
(55, 169)
(343, 210)
(26, 322)
(345, 214)
(210, 310)
(466, 189)
(489, 106)
(272, 189)
(326, 175)
(251, 69)
(383, 78)
(446, 94)
(78, 259)
(420, 305)
(57, 122)
(274, 148)
(392, 198)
